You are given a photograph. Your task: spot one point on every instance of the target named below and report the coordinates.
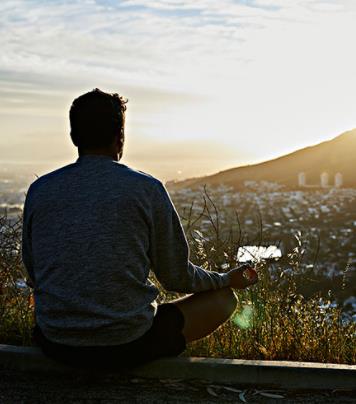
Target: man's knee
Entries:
(227, 301)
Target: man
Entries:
(92, 231)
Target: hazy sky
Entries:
(211, 84)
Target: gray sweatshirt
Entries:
(92, 231)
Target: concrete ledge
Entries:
(278, 374)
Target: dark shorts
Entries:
(164, 338)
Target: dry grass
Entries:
(272, 324)
(272, 320)
(16, 305)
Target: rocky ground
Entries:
(17, 387)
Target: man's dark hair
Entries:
(96, 118)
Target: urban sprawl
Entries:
(323, 216)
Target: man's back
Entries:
(92, 231)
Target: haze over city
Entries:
(211, 85)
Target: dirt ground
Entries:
(17, 387)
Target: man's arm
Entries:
(26, 242)
(169, 251)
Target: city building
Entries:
(302, 181)
(324, 180)
(338, 180)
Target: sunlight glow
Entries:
(226, 83)
(243, 319)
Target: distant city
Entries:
(324, 217)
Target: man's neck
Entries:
(101, 152)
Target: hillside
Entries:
(334, 156)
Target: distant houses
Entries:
(324, 181)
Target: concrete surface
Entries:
(276, 374)
(41, 388)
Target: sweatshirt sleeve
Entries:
(169, 251)
(26, 239)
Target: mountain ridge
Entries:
(337, 155)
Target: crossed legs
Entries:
(205, 311)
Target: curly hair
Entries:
(96, 118)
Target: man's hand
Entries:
(243, 276)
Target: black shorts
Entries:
(164, 338)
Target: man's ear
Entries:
(120, 140)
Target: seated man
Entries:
(92, 231)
